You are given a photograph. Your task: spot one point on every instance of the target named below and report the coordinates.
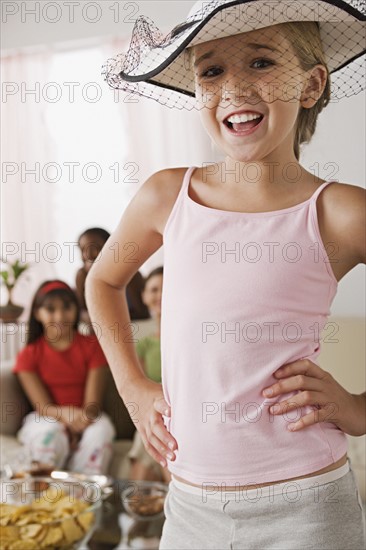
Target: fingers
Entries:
(301, 366)
(79, 425)
(302, 399)
(161, 406)
(297, 382)
(159, 442)
(308, 420)
(154, 453)
(160, 450)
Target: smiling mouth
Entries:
(242, 126)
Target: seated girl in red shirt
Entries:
(63, 374)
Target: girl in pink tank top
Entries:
(248, 279)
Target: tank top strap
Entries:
(187, 179)
(181, 198)
(319, 190)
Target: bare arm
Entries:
(357, 240)
(36, 392)
(359, 423)
(345, 215)
(342, 220)
(357, 230)
(136, 238)
(132, 243)
(142, 363)
(349, 222)
(41, 399)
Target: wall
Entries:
(29, 23)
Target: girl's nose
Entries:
(237, 89)
(58, 316)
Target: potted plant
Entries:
(11, 311)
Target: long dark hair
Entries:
(55, 289)
(136, 306)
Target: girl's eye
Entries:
(261, 61)
(214, 70)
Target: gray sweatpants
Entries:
(328, 516)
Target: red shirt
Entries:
(64, 373)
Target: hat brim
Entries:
(167, 65)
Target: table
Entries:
(117, 530)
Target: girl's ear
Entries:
(313, 86)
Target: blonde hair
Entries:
(304, 37)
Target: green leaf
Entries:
(18, 269)
(5, 276)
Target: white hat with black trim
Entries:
(158, 67)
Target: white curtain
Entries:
(26, 147)
(47, 212)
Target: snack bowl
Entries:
(44, 513)
(103, 481)
(144, 500)
(38, 469)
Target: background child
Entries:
(91, 243)
(243, 289)
(63, 374)
(143, 466)
(148, 348)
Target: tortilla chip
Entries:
(72, 531)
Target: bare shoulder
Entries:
(166, 182)
(161, 189)
(347, 193)
(343, 202)
(341, 209)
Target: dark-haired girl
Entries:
(63, 374)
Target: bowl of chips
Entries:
(144, 500)
(43, 513)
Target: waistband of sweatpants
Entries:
(208, 490)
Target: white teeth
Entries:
(242, 118)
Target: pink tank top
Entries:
(243, 294)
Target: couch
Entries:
(343, 355)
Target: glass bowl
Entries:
(144, 500)
(41, 512)
(103, 481)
